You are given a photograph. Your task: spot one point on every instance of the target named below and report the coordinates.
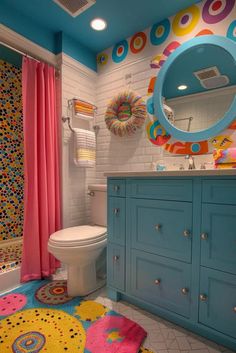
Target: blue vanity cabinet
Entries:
(116, 226)
(172, 250)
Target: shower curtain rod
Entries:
(26, 54)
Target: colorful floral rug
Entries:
(40, 317)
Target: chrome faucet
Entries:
(191, 164)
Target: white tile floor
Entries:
(163, 336)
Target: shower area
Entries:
(12, 168)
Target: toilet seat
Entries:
(78, 236)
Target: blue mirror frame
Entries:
(226, 44)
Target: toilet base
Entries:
(82, 280)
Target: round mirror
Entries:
(197, 87)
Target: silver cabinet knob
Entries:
(116, 258)
(184, 291)
(204, 236)
(116, 188)
(158, 227)
(203, 297)
(234, 309)
(186, 233)
(116, 211)
(91, 193)
(157, 281)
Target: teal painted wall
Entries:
(54, 42)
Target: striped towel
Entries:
(83, 108)
(84, 148)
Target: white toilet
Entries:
(82, 248)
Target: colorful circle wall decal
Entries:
(41, 329)
(159, 32)
(185, 21)
(231, 33)
(215, 11)
(204, 32)
(53, 293)
(138, 42)
(120, 51)
(102, 59)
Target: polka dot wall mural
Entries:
(215, 11)
(11, 152)
(159, 32)
(138, 42)
(120, 51)
(185, 21)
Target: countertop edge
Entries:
(178, 173)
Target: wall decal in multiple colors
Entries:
(231, 33)
(199, 19)
(159, 32)
(215, 11)
(204, 32)
(185, 21)
(138, 42)
(102, 58)
(11, 152)
(120, 51)
(159, 60)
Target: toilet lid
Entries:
(81, 235)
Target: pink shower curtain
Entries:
(42, 172)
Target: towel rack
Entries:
(67, 118)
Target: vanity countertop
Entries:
(169, 173)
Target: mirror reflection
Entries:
(199, 87)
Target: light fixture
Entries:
(182, 87)
(98, 24)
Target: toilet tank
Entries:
(98, 199)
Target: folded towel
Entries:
(225, 166)
(84, 108)
(224, 156)
(84, 148)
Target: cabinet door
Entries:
(116, 220)
(161, 281)
(218, 238)
(116, 266)
(161, 227)
(218, 301)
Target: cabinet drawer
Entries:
(218, 238)
(162, 189)
(218, 310)
(161, 281)
(116, 220)
(219, 191)
(116, 187)
(161, 227)
(116, 266)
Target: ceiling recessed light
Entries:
(182, 87)
(98, 24)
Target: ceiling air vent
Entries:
(75, 7)
(211, 78)
(209, 72)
